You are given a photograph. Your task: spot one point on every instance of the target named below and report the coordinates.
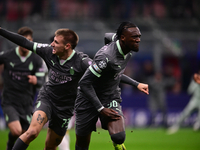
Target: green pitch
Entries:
(136, 139)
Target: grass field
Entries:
(136, 139)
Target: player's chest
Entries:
(118, 65)
(19, 64)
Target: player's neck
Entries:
(23, 53)
(66, 55)
(125, 50)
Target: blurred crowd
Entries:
(13, 10)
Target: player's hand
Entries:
(143, 87)
(197, 78)
(110, 113)
(32, 79)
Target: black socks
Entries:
(11, 141)
(20, 145)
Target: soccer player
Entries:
(99, 94)
(23, 73)
(56, 98)
(194, 103)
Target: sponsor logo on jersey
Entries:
(39, 45)
(102, 64)
(59, 78)
(16, 75)
(97, 68)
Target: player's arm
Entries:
(39, 78)
(17, 39)
(109, 37)
(141, 86)
(86, 62)
(86, 86)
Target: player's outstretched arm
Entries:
(16, 38)
(127, 80)
(141, 86)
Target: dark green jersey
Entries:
(101, 80)
(17, 90)
(63, 77)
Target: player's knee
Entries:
(118, 138)
(32, 133)
(16, 133)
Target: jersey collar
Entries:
(17, 52)
(120, 49)
(72, 54)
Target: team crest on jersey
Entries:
(102, 64)
(30, 67)
(39, 45)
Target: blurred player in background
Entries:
(99, 94)
(193, 104)
(23, 73)
(158, 85)
(56, 98)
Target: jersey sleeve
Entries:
(87, 88)
(86, 62)
(126, 79)
(42, 49)
(99, 65)
(94, 71)
(17, 39)
(109, 37)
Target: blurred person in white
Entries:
(193, 104)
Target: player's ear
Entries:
(122, 37)
(67, 46)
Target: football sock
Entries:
(11, 141)
(19, 145)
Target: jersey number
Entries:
(66, 122)
(113, 104)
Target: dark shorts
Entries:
(87, 116)
(13, 114)
(58, 119)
